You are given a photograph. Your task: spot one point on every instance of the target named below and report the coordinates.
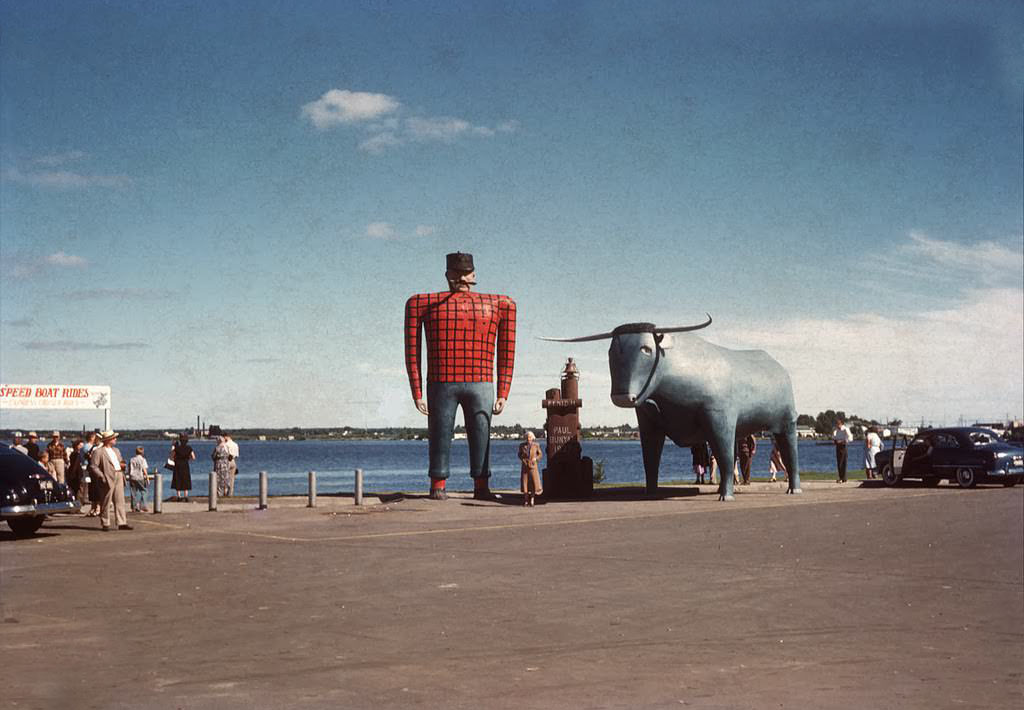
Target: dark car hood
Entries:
(16, 467)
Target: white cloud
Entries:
(380, 142)
(340, 106)
(967, 359)
(425, 230)
(55, 159)
(442, 129)
(66, 179)
(377, 114)
(974, 257)
(380, 230)
(61, 259)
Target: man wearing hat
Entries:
(33, 445)
(58, 457)
(108, 464)
(463, 331)
(17, 445)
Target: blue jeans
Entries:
(477, 400)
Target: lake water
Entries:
(390, 466)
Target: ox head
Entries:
(633, 357)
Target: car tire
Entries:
(25, 527)
(1010, 482)
(966, 477)
(932, 481)
(889, 476)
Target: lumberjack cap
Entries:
(459, 262)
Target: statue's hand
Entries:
(422, 406)
(499, 405)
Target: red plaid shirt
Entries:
(461, 329)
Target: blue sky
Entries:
(220, 208)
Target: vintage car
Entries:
(967, 455)
(28, 493)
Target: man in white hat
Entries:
(58, 457)
(17, 445)
(109, 465)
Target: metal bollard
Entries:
(312, 490)
(213, 491)
(359, 486)
(158, 493)
(263, 490)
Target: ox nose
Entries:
(624, 400)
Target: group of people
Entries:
(704, 462)
(96, 472)
(225, 465)
(842, 436)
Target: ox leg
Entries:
(787, 443)
(652, 442)
(723, 440)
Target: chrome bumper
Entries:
(35, 509)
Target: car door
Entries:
(917, 463)
(945, 455)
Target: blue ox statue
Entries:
(692, 391)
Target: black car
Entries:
(28, 493)
(967, 455)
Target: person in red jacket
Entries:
(464, 330)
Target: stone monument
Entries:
(568, 473)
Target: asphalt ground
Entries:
(843, 597)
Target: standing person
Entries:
(529, 455)
(841, 437)
(110, 468)
(44, 461)
(699, 454)
(746, 448)
(222, 465)
(58, 457)
(75, 478)
(233, 464)
(181, 481)
(138, 480)
(872, 445)
(16, 443)
(93, 450)
(32, 447)
(461, 328)
(776, 464)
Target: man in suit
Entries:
(108, 464)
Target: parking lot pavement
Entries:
(842, 597)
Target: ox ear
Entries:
(666, 341)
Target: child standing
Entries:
(138, 480)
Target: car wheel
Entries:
(889, 476)
(1010, 482)
(24, 527)
(932, 481)
(965, 478)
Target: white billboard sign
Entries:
(55, 397)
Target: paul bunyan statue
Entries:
(463, 331)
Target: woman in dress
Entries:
(222, 466)
(872, 445)
(181, 481)
(529, 455)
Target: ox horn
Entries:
(685, 328)
(632, 328)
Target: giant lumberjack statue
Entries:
(461, 328)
